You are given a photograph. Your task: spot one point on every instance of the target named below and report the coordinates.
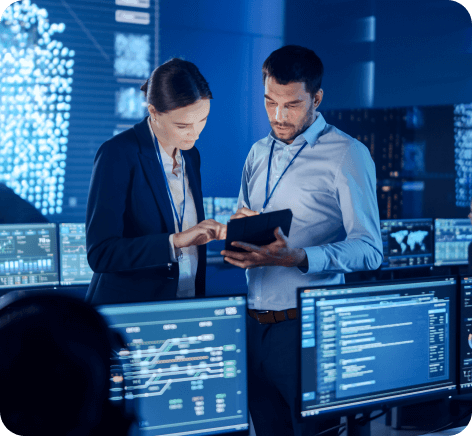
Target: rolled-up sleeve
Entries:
(355, 185)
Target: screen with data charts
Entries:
(75, 269)
(184, 365)
(465, 347)
(451, 241)
(28, 255)
(374, 344)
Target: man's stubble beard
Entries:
(307, 122)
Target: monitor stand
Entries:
(353, 428)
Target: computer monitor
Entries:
(224, 207)
(407, 243)
(184, 364)
(28, 256)
(465, 336)
(208, 207)
(374, 345)
(75, 269)
(451, 241)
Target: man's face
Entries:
(290, 108)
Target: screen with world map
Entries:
(407, 243)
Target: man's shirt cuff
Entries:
(316, 260)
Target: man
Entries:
(328, 181)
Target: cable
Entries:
(332, 429)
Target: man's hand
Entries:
(278, 253)
(202, 233)
(243, 212)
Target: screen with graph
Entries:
(451, 241)
(185, 359)
(75, 269)
(28, 255)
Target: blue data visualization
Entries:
(184, 364)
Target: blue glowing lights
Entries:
(35, 86)
(463, 153)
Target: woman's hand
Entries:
(200, 234)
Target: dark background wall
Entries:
(379, 53)
(228, 41)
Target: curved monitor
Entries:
(376, 344)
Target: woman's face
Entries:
(180, 128)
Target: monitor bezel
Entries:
(384, 403)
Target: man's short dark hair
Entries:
(293, 63)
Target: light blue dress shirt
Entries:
(331, 190)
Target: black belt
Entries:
(272, 316)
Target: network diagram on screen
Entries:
(187, 360)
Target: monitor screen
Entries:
(407, 243)
(465, 347)
(451, 241)
(75, 269)
(208, 207)
(372, 344)
(224, 207)
(28, 255)
(185, 364)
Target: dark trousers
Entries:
(273, 355)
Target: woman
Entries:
(145, 221)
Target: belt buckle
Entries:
(257, 313)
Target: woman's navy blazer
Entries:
(129, 219)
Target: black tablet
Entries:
(257, 229)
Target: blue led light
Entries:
(35, 81)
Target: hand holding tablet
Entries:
(261, 240)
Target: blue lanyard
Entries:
(180, 220)
(268, 196)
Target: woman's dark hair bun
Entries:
(174, 84)
(144, 87)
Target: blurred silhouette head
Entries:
(55, 368)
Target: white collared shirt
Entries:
(187, 256)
